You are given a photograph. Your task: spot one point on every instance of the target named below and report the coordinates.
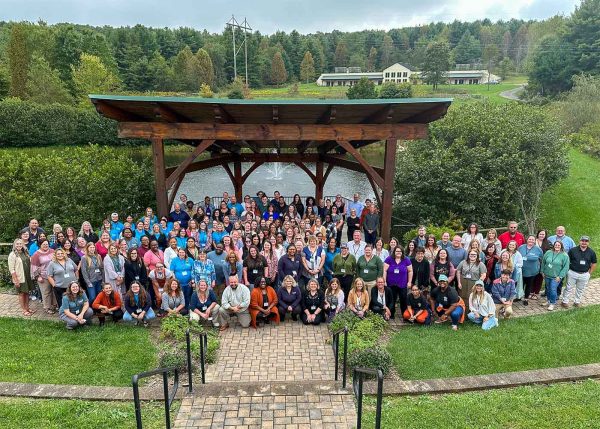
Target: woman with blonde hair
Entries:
(358, 298)
(19, 266)
(334, 299)
(91, 268)
(482, 307)
(492, 238)
(289, 298)
(87, 232)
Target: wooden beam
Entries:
(375, 190)
(174, 176)
(429, 115)
(275, 114)
(274, 157)
(253, 146)
(210, 131)
(368, 168)
(251, 170)
(167, 114)
(307, 171)
(158, 154)
(382, 115)
(301, 148)
(175, 189)
(326, 147)
(328, 117)
(388, 189)
(115, 113)
(319, 182)
(342, 161)
(204, 164)
(229, 146)
(223, 116)
(326, 175)
(229, 172)
(238, 182)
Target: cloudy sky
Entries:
(269, 16)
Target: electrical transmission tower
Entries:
(245, 27)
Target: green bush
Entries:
(174, 326)
(171, 355)
(344, 318)
(372, 357)
(70, 185)
(25, 123)
(396, 90)
(6, 284)
(586, 143)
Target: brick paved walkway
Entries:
(264, 380)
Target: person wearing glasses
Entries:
(511, 234)
(469, 271)
(582, 263)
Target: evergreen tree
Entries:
(307, 67)
(340, 58)
(387, 52)
(206, 73)
(552, 67)
(372, 60)
(505, 67)
(468, 49)
(436, 64)
(278, 72)
(44, 84)
(583, 35)
(4, 82)
(185, 67)
(92, 77)
(161, 73)
(18, 61)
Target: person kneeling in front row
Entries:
(358, 298)
(173, 300)
(75, 309)
(312, 304)
(446, 303)
(417, 308)
(289, 299)
(137, 305)
(482, 307)
(234, 302)
(108, 304)
(503, 293)
(204, 305)
(263, 303)
(381, 299)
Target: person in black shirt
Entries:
(312, 304)
(446, 303)
(381, 299)
(417, 307)
(582, 263)
(420, 267)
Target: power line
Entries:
(233, 23)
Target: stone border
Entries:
(486, 382)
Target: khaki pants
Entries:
(48, 298)
(214, 313)
(508, 310)
(369, 286)
(224, 317)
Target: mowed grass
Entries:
(573, 202)
(547, 341)
(23, 413)
(46, 353)
(573, 405)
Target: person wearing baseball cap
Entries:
(446, 303)
(582, 263)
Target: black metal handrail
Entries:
(203, 350)
(357, 385)
(168, 398)
(336, 350)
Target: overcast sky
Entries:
(268, 16)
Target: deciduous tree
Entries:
(278, 72)
(436, 64)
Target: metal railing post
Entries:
(136, 401)
(345, 364)
(379, 399)
(189, 361)
(359, 398)
(336, 350)
(167, 404)
(357, 386)
(167, 398)
(203, 344)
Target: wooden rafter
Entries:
(307, 171)
(328, 117)
(167, 114)
(342, 161)
(223, 116)
(113, 112)
(174, 176)
(429, 114)
(229, 172)
(251, 170)
(368, 168)
(326, 175)
(175, 189)
(382, 115)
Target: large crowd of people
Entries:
(262, 260)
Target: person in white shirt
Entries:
(234, 302)
(357, 246)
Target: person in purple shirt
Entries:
(397, 273)
(289, 298)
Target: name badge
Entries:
(67, 275)
(549, 265)
(97, 270)
(313, 307)
(581, 262)
(366, 271)
(204, 308)
(445, 299)
(343, 270)
(160, 290)
(265, 304)
(396, 271)
(524, 258)
(184, 273)
(468, 276)
(293, 273)
(254, 271)
(333, 307)
(138, 311)
(76, 312)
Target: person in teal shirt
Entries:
(532, 262)
(330, 253)
(555, 266)
(182, 268)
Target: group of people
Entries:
(263, 259)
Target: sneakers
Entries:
(544, 302)
(577, 304)
(564, 305)
(145, 324)
(454, 327)
(551, 307)
(525, 302)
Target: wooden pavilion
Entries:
(325, 132)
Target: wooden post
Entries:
(160, 182)
(238, 181)
(319, 181)
(388, 189)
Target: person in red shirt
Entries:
(511, 234)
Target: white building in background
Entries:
(399, 73)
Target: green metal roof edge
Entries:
(262, 101)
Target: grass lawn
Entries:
(25, 413)
(573, 202)
(575, 405)
(44, 352)
(546, 341)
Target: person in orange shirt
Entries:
(108, 303)
(263, 303)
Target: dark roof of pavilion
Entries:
(269, 111)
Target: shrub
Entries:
(174, 327)
(170, 355)
(585, 143)
(343, 318)
(372, 357)
(396, 90)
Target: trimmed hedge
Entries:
(24, 123)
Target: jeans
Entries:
(551, 287)
(455, 315)
(187, 294)
(148, 316)
(578, 281)
(93, 291)
(492, 322)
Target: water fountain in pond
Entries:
(276, 169)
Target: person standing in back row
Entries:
(511, 234)
(371, 225)
(582, 263)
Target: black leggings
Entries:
(58, 293)
(346, 283)
(528, 283)
(400, 295)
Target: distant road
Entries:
(513, 94)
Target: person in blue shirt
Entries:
(75, 308)
(116, 227)
(217, 236)
(182, 238)
(208, 207)
(204, 269)
(233, 203)
(330, 253)
(561, 236)
(149, 214)
(532, 261)
(182, 268)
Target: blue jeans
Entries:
(486, 326)
(93, 291)
(455, 315)
(551, 290)
(187, 294)
(148, 316)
